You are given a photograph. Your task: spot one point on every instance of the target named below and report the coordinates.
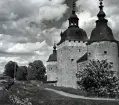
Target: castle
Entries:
(75, 49)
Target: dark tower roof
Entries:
(73, 33)
(53, 57)
(101, 32)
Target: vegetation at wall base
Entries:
(99, 79)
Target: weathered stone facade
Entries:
(105, 50)
(52, 71)
(67, 57)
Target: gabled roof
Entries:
(83, 58)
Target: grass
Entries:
(70, 90)
(75, 91)
(40, 96)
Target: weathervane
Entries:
(74, 6)
(101, 5)
(54, 45)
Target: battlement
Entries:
(72, 43)
(52, 63)
(104, 43)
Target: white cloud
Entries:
(27, 47)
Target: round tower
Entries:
(102, 44)
(52, 66)
(71, 46)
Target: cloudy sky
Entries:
(28, 28)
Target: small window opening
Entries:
(105, 52)
(72, 60)
(89, 54)
(71, 24)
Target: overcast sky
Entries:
(28, 28)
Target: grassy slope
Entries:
(39, 96)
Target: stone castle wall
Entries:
(105, 50)
(67, 55)
(52, 71)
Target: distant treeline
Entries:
(35, 71)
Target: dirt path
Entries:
(77, 96)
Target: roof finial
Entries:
(73, 7)
(101, 5)
(101, 15)
(54, 45)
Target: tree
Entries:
(30, 73)
(10, 68)
(37, 70)
(98, 78)
(21, 73)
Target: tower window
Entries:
(105, 52)
(79, 50)
(72, 60)
(89, 54)
(71, 24)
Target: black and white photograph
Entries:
(59, 52)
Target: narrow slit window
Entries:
(105, 52)
(72, 60)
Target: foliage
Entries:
(21, 73)
(98, 78)
(37, 70)
(10, 68)
(17, 101)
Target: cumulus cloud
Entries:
(23, 33)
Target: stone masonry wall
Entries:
(105, 50)
(52, 71)
(67, 55)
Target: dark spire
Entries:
(74, 7)
(73, 20)
(61, 33)
(101, 15)
(54, 48)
